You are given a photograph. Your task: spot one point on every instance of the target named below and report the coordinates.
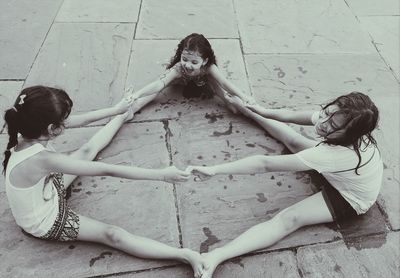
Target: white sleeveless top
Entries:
(32, 211)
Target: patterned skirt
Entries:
(66, 225)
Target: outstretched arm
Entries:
(156, 86)
(252, 165)
(56, 162)
(282, 115)
(83, 119)
(227, 85)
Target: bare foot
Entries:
(194, 259)
(210, 262)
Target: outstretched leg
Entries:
(312, 210)
(294, 141)
(96, 231)
(98, 142)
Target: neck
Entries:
(26, 142)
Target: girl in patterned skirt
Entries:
(36, 176)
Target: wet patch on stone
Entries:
(268, 149)
(372, 222)
(366, 242)
(101, 256)
(227, 132)
(212, 117)
(237, 261)
(261, 198)
(211, 240)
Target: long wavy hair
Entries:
(194, 42)
(361, 118)
(34, 110)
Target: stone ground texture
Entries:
(287, 54)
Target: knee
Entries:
(87, 151)
(289, 219)
(113, 235)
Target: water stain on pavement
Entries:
(237, 261)
(227, 132)
(212, 117)
(101, 256)
(211, 240)
(361, 243)
(261, 198)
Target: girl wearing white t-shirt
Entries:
(347, 156)
(36, 177)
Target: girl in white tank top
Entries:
(35, 183)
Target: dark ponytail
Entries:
(34, 110)
(11, 119)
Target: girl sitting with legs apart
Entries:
(347, 156)
(36, 176)
(194, 66)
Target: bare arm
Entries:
(282, 115)
(56, 162)
(226, 84)
(83, 119)
(253, 165)
(156, 86)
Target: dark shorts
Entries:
(66, 226)
(337, 205)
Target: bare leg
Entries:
(294, 141)
(96, 231)
(312, 210)
(100, 140)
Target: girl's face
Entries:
(192, 62)
(328, 125)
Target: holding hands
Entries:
(201, 173)
(173, 174)
(125, 103)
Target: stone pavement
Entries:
(285, 53)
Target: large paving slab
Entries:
(22, 32)
(215, 211)
(92, 69)
(385, 31)
(372, 7)
(208, 17)
(146, 208)
(272, 265)
(98, 11)
(296, 80)
(8, 93)
(375, 256)
(146, 66)
(300, 27)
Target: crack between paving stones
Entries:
(135, 271)
(168, 134)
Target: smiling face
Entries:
(330, 123)
(192, 62)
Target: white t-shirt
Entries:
(337, 163)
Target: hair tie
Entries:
(21, 99)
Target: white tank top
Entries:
(32, 211)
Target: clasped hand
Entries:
(200, 173)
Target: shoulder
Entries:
(213, 69)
